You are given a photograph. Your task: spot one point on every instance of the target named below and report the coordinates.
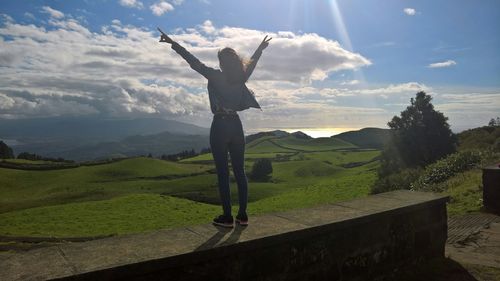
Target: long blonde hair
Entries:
(232, 65)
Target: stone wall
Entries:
(363, 239)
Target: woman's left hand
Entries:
(264, 43)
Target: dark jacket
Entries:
(222, 94)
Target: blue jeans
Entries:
(226, 135)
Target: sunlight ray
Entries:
(345, 40)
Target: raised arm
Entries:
(193, 62)
(256, 56)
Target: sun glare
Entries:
(345, 40)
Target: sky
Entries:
(332, 65)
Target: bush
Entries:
(36, 157)
(395, 181)
(447, 168)
(5, 151)
(29, 156)
(261, 170)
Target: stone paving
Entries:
(461, 227)
(474, 241)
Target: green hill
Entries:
(282, 144)
(22, 189)
(275, 133)
(487, 137)
(366, 138)
(267, 144)
(142, 194)
(295, 142)
(317, 144)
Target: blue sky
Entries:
(332, 64)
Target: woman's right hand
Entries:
(164, 37)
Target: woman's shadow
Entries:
(219, 235)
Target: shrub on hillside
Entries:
(261, 170)
(36, 157)
(446, 168)
(480, 138)
(401, 180)
(494, 122)
(5, 151)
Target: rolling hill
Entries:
(143, 194)
(366, 137)
(487, 137)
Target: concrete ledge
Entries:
(349, 240)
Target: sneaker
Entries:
(224, 221)
(242, 220)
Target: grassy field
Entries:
(143, 194)
(466, 192)
(22, 189)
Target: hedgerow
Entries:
(446, 168)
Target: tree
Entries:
(494, 122)
(261, 169)
(29, 156)
(420, 136)
(5, 151)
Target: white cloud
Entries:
(132, 4)
(6, 18)
(350, 82)
(410, 11)
(52, 12)
(208, 27)
(6, 102)
(468, 109)
(71, 70)
(447, 63)
(161, 7)
(29, 16)
(123, 71)
(290, 57)
(404, 88)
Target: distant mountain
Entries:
(157, 144)
(65, 137)
(91, 127)
(366, 138)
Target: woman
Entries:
(228, 94)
